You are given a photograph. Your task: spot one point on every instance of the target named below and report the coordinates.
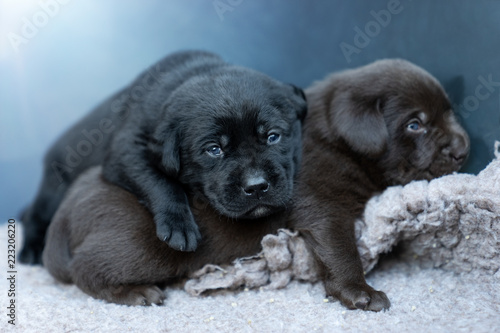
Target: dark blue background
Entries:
(88, 49)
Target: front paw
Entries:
(360, 296)
(179, 231)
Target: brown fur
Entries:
(356, 143)
(102, 240)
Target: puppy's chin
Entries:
(261, 211)
(255, 212)
(405, 176)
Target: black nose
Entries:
(256, 186)
(459, 156)
(460, 150)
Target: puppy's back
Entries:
(86, 210)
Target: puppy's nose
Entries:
(255, 186)
(459, 155)
(460, 149)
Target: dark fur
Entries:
(162, 126)
(103, 240)
(356, 143)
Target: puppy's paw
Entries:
(139, 295)
(362, 297)
(179, 231)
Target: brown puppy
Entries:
(103, 240)
(383, 124)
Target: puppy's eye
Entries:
(415, 126)
(214, 151)
(273, 138)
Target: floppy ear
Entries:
(300, 102)
(171, 159)
(165, 146)
(360, 123)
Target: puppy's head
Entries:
(397, 114)
(234, 139)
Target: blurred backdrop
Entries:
(60, 58)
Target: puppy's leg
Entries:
(133, 166)
(335, 249)
(100, 274)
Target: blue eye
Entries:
(273, 138)
(214, 151)
(414, 126)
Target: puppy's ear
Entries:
(165, 146)
(360, 123)
(300, 101)
(171, 159)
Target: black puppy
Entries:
(191, 125)
(384, 124)
(103, 240)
